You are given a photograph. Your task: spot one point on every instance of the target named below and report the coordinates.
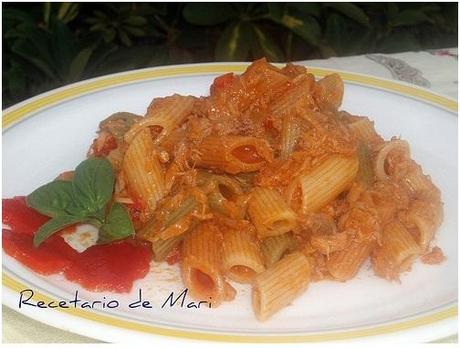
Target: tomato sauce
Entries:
(108, 145)
(247, 154)
(222, 82)
(110, 267)
(50, 258)
(21, 218)
(174, 256)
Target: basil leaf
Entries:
(93, 184)
(54, 225)
(118, 225)
(52, 199)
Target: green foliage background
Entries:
(47, 45)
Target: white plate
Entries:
(51, 133)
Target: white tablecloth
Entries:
(435, 70)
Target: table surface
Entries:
(436, 70)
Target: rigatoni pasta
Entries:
(326, 181)
(164, 113)
(143, 173)
(233, 154)
(270, 214)
(396, 253)
(241, 256)
(201, 264)
(344, 264)
(279, 285)
(266, 182)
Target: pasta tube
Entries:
(269, 213)
(201, 264)
(166, 113)
(234, 154)
(426, 216)
(329, 91)
(397, 252)
(241, 257)
(344, 264)
(296, 98)
(364, 130)
(325, 182)
(418, 183)
(379, 164)
(143, 173)
(289, 136)
(279, 285)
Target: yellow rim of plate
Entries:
(16, 114)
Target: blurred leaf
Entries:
(63, 47)
(265, 47)
(119, 24)
(109, 35)
(127, 58)
(68, 11)
(234, 43)
(79, 63)
(135, 20)
(276, 10)
(392, 10)
(124, 37)
(46, 12)
(207, 13)
(410, 17)
(347, 37)
(430, 7)
(303, 25)
(450, 12)
(351, 11)
(99, 56)
(311, 8)
(335, 27)
(16, 80)
(26, 51)
(401, 40)
(327, 51)
(17, 15)
(135, 31)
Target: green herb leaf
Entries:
(93, 184)
(118, 225)
(54, 225)
(52, 199)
